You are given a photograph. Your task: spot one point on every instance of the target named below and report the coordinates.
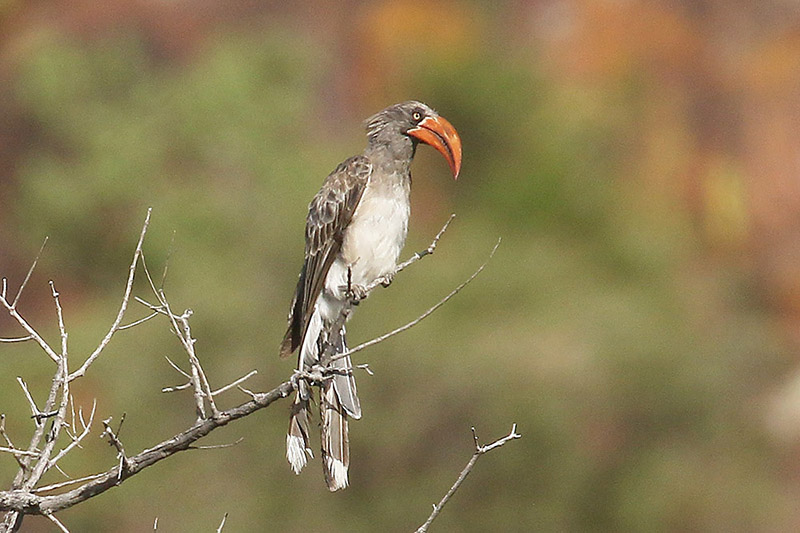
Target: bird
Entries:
(355, 229)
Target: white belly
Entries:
(373, 241)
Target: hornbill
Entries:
(356, 226)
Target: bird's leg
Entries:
(354, 292)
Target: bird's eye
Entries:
(416, 116)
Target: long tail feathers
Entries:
(338, 399)
(298, 449)
(335, 439)
(345, 383)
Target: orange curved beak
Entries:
(439, 133)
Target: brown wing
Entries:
(328, 215)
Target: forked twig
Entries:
(479, 450)
(113, 440)
(76, 440)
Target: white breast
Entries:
(375, 236)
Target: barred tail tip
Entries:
(338, 474)
(296, 453)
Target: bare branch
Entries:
(181, 328)
(125, 298)
(188, 385)
(25, 501)
(60, 381)
(479, 450)
(199, 380)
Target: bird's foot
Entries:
(386, 280)
(355, 293)
(313, 376)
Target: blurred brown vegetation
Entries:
(641, 321)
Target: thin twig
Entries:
(137, 322)
(253, 395)
(123, 306)
(113, 440)
(27, 327)
(76, 440)
(27, 477)
(188, 342)
(365, 367)
(17, 339)
(8, 441)
(429, 250)
(15, 452)
(479, 450)
(67, 483)
(28, 275)
(216, 446)
(222, 524)
(60, 381)
(57, 522)
(176, 367)
(421, 317)
(181, 328)
(60, 314)
(35, 413)
(177, 388)
(235, 383)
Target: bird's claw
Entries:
(386, 280)
(356, 293)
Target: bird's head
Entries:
(416, 122)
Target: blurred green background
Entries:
(639, 322)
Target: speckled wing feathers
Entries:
(329, 214)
